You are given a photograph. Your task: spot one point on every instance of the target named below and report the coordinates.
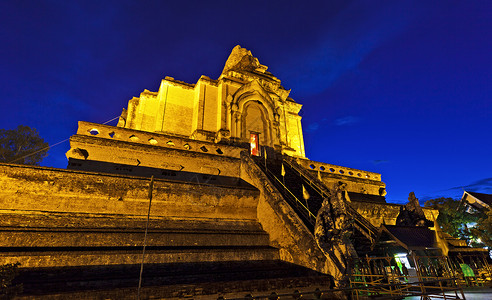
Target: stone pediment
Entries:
(242, 65)
(254, 88)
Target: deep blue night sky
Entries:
(402, 88)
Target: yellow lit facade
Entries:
(245, 99)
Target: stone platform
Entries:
(206, 280)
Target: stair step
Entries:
(50, 237)
(168, 280)
(53, 257)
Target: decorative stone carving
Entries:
(411, 214)
(331, 233)
(237, 116)
(222, 134)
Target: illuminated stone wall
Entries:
(379, 213)
(103, 143)
(139, 148)
(287, 232)
(72, 218)
(358, 181)
(245, 98)
(55, 190)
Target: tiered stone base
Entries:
(207, 280)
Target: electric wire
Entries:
(151, 189)
(51, 146)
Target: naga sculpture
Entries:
(331, 233)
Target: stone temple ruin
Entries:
(236, 205)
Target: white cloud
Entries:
(348, 120)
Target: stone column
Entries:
(233, 117)
(238, 124)
(228, 115)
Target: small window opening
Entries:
(204, 149)
(94, 131)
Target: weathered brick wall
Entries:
(24, 188)
(130, 147)
(209, 290)
(377, 213)
(54, 218)
(358, 181)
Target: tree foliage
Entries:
(22, 145)
(452, 218)
(483, 229)
(473, 226)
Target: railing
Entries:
(372, 274)
(290, 197)
(156, 139)
(481, 273)
(311, 180)
(338, 170)
(293, 197)
(436, 289)
(364, 226)
(375, 286)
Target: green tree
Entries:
(452, 218)
(483, 229)
(22, 146)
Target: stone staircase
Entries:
(292, 185)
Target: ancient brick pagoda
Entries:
(236, 205)
(211, 121)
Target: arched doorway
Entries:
(255, 127)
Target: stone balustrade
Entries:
(185, 144)
(156, 139)
(333, 169)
